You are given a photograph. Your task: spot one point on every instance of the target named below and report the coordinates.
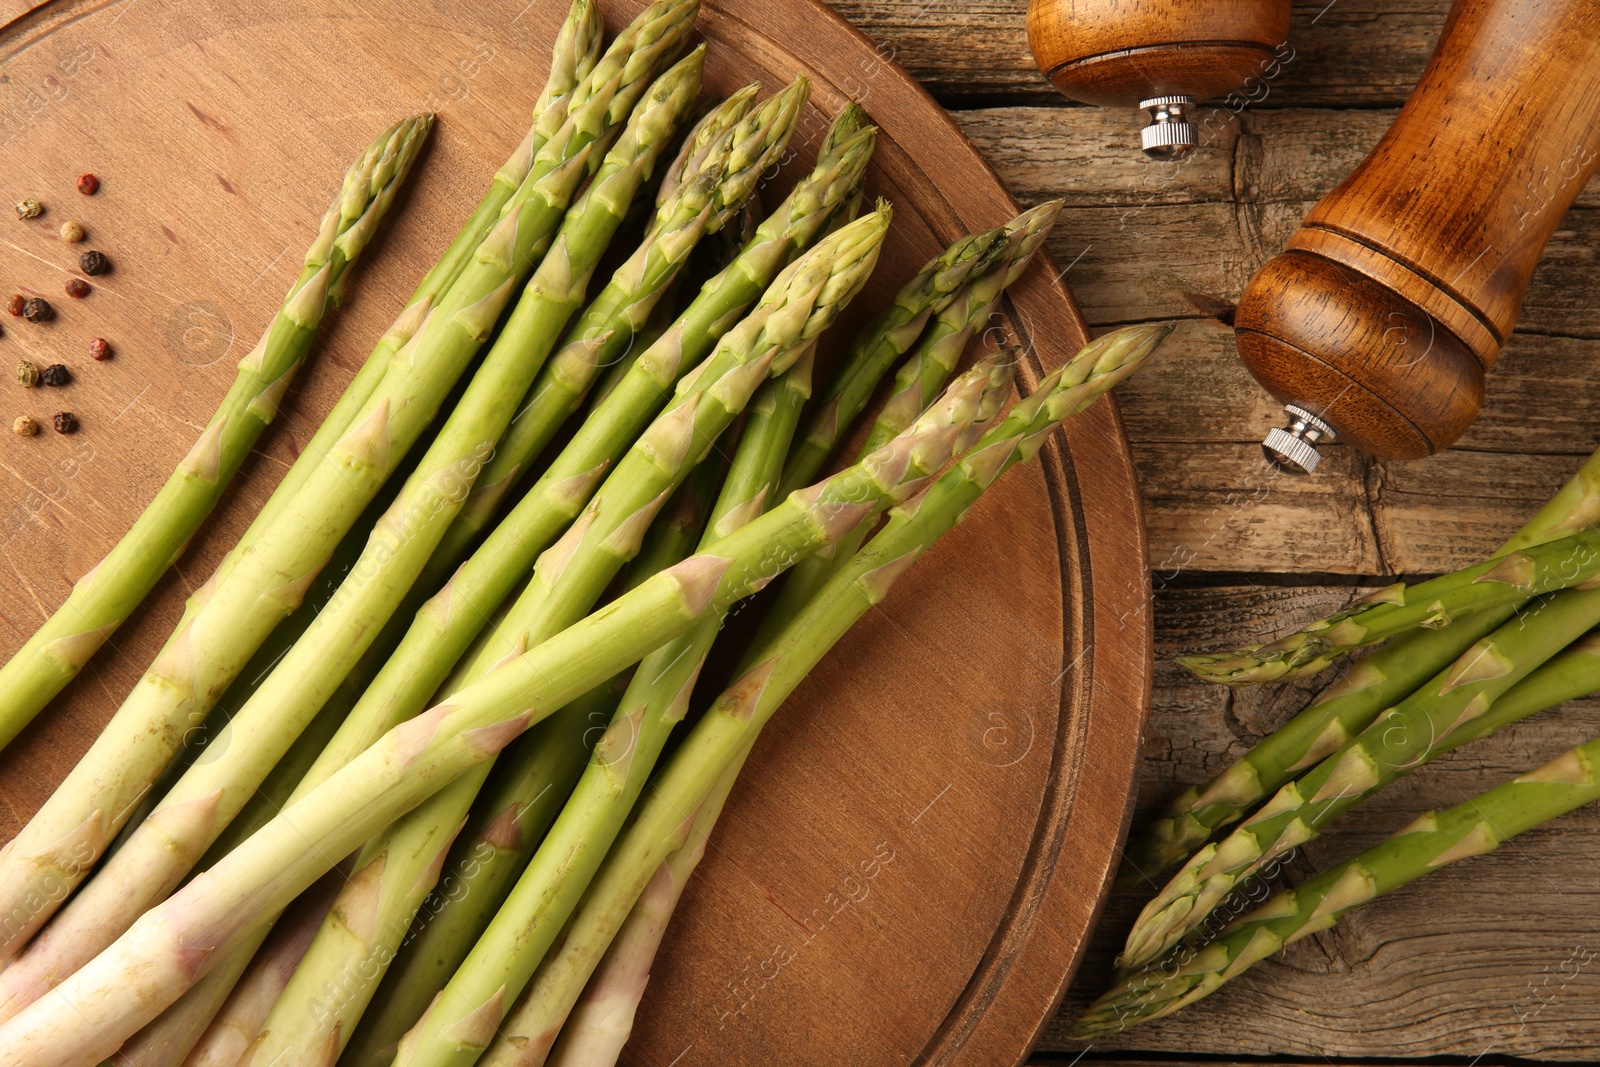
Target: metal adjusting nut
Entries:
(1293, 449)
(1170, 134)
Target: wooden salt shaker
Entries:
(1160, 55)
(1380, 321)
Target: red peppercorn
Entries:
(99, 350)
(77, 288)
(88, 184)
(16, 304)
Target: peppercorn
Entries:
(72, 231)
(77, 288)
(55, 376)
(38, 310)
(66, 422)
(99, 350)
(24, 426)
(29, 208)
(27, 374)
(94, 263)
(88, 184)
(16, 304)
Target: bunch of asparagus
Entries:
(1466, 654)
(429, 819)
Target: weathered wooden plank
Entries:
(1366, 53)
(1444, 967)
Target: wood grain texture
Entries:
(876, 811)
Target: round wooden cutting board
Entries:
(913, 859)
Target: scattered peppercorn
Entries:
(77, 288)
(94, 263)
(29, 208)
(66, 422)
(99, 350)
(27, 374)
(55, 376)
(16, 304)
(88, 184)
(72, 231)
(38, 310)
(24, 426)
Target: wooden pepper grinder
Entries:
(1381, 320)
(1160, 55)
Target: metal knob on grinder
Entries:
(1383, 317)
(1162, 56)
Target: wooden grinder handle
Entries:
(1394, 298)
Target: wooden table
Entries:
(1501, 956)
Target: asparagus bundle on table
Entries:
(1480, 825)
(1382, 678)
(719, 741)
(104, 597)
(397, 870)
(205, 799)
(162, 955)
(1458, 705)
(231, 615)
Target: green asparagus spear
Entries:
(1381, 679)
(531, 782)
(722, 162)
(157, 856)
(721, 738)
(152, 964)
(923, 376)
(104, 597)
(882, 343)
(1456, 706)
(232, 614)
(1482, 824)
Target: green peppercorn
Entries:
(24, 426)
(38, 310)
(94, 263)
(29, 208)
(66, 422)
(27, 374)
(55, 376)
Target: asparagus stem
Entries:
(1456, 706)
(1382, 678)
(448, 624)
(921, 378)
(156, 857)
(882, 343)
(725, 733)
(231, 615)
(174, 943)
(534, 779)
(601, 1021)
(104, 597)
(1511, 578)
(1438, 838)
(569, 578)
(721, 164)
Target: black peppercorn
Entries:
(66, 422)
(77, 288)
(94, 263)
(55, 376)
(38, 310)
